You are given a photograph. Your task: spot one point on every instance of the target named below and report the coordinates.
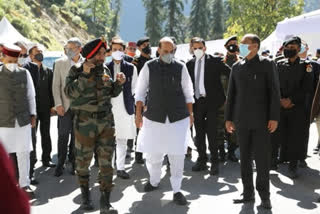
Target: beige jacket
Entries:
(60, 73)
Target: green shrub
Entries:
(54, 9)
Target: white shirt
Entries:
(196, 74)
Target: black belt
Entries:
(93, 115)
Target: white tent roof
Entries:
(306, 26)
(8, 34)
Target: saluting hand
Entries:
(121, 78)
(272, 126)
(87, 66)
(230, 127)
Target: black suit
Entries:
(42, 80)
(253, 100)
(206, 109)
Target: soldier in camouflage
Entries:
(90, 89)
(232, 49)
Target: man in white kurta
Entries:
(16, 121)
(123, 105)
(165, 126)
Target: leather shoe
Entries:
(58, 172)
(29, 192)
(179, 199)
(293, 174)
(48, 164)
(244, 200)
(200, 166)
(33, 181)
(232, 157)
(149, 188)
(214, 170)
(266, 204)
(123, 174)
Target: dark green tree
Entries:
(199, 19)
(217, 19)
(175, 19)
(154, 20)
(115, 21)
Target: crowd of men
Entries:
(111, 101)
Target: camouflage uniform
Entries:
(90, 96)
(221, 133)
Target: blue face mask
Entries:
(303, 49)
(108, 59)
(244, 50)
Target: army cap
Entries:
(292, 40)
(232, 38)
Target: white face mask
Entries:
(198, 53)
(11, 66)
(117, 55)
(21, 60)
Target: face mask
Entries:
(167, 58)
(108, 59)
(147, 50)
(132, 54)
(244, 50)
(12, 66)
(232, 48)
(303, 49)
(290, 53)
(39, 57)
(21, 61)
(117, 55)
(198, 53)
(71, 54)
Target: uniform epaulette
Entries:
(284, 60)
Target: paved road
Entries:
(206, 194)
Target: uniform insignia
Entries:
(309, 68)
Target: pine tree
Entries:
(199, 19)
(154, 20)
(217, 19)
(175, 19)
(115, 21)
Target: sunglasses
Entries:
(23, 55)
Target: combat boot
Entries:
(105, 206)
(86, 203)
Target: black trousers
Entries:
(65, 129)
(293, 131)
(44, 119)
(255, 143)
(205, 123)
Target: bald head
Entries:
(166, 40)
(251, 39)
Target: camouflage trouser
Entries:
(222, 135)
(91, 134)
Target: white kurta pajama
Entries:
(125, 127)
(18, 139)
(158, 139)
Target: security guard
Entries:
(90, 89)
(145, 55)
(295, 76)
(231, 58)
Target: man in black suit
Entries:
(205, 72)
(253, 111)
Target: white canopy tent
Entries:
(306, 26)
(8, 34)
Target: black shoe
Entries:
(86, 203)
(29, 192)
(33, 181)
(200, 166)
(179, 199)
(149, 188)
(232, 157)
(293, 173)
(266, 204)
(303, 164)
(123, 174)
(48, 164)
(139, 158)
(105, 206)
(244, 200)
(58, 172)
(214, 170)
(189, 153)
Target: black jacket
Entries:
(253, 94)
(214, 68)
(42, 80)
